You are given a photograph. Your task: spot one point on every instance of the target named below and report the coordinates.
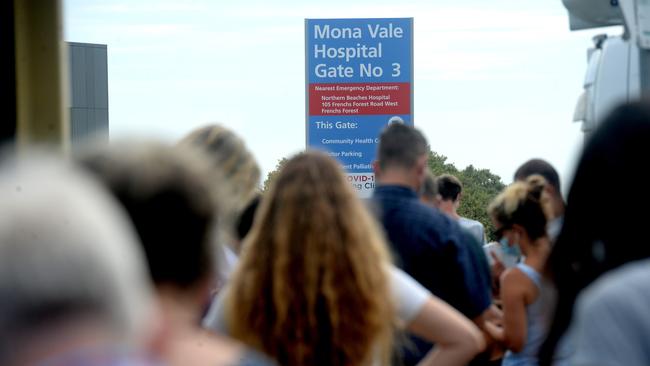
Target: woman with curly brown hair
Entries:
(315, 285)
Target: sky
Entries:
(495, 82)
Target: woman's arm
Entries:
(513, 289)
(457, 340)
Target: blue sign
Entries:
(359, 50)
(359, 75)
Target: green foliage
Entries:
(480, 186)
(273, 174)
(438, 164)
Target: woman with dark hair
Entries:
(606, 216)
(167, 195)
(315, 285)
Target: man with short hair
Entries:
(546, 170)
(450, 191)
(429, 246)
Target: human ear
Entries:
(517, 231)
(376, 168)
(421, 167)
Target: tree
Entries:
(438, 164)
(480, 186)
(273, 174)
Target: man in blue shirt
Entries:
(427, 244)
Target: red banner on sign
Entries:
(359, 99)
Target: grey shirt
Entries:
(474, 227)
(612, 319)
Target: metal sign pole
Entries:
(41, 75)
(644, 73)
(643, 42)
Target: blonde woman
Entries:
(235, 177)
(519, 214)
(315, 285)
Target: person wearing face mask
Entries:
(520, 214)
(511, 254)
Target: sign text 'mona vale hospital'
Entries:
(359, 77)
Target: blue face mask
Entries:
(510, 250)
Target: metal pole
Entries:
(642, 25)
(644, 73)
(8, 72)
(41, 75)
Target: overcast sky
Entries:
(496, 82)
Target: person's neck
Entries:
(449, 208)
(537, 253)
(397, 177)
(179, 309)
(189, 344)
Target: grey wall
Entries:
(88, 92)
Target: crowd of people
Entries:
(146, 253)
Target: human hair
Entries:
(539, 167)
(166, 195)
(312, 284)
(67, 253)
(235, 170)
(429, 189)
(523, 203)
(449, 187)
(400, 146)
(245, 221)
(601, 234)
